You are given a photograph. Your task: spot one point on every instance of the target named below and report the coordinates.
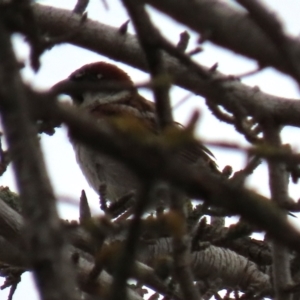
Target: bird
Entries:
(102, 105)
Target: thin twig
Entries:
(84, 209)
(129, 252)
(184, 41)
(182, 246)
(278, 180)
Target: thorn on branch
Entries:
(214, 67)
(84, 209)
(103, 197)
(124, 28)
(227, 171)
(183, 41)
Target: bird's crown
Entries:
(100, 71)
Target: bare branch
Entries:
(230, 93)
(149, 37)
(128, 255)
(228, 27)
(272, 27)
(43, 235)
(278, 180)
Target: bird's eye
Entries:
(78, 99)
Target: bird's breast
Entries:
(99, 168)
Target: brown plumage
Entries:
(103, 105)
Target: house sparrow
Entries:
(104, 104)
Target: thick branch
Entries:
(46, 251)
(107, 41)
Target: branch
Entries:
(127, 257)
(278, 179)
(273, 29)
(149, 37)
(228, 27)
(43, 236)
(107, 41)
(181, 245)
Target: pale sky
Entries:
(61, 60)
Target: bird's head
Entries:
(100, 83)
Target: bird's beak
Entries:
(62, 87)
